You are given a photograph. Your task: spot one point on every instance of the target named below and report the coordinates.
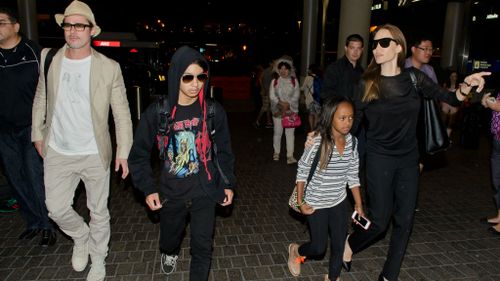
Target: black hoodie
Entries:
(205, 178)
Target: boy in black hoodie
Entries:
(190, 183)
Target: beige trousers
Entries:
(62, 176)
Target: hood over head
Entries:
(285, 59)
(182, 58)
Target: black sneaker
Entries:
(48, 238)
(168, 263)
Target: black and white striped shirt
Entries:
(328, 186)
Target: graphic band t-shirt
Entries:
(182, 164)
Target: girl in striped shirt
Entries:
(324, 202)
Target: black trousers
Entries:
(24, 171)
(392, 194)
(173, 217)
(323, 221)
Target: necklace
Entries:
(9, 50)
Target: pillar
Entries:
(27, 17)
(355, 17)
(309, 35)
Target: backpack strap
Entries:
(413, 80)
(165, 122)
(211, 135)
(47, 62)
(210, 119)
(314, 164)
(312, 169)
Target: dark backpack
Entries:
(317, 85)
(166, 122)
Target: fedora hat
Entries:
(79, 8)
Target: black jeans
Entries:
(322, 221)
(24, 170)
(392, 193)
(173, 217)
(495, 171)
(6, 191)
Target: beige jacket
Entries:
(106, 89)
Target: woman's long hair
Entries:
(372, 72)
(448, 80)
(324, 128)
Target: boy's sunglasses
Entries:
(187, 78)
(383, 42)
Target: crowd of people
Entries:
(54, 133)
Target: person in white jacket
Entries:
(284, 93)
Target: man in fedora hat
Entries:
(70, 130)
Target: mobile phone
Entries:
(363, 222)
(163, 200)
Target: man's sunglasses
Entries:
(187, 78)
(383, 42)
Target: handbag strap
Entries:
(313, 168)
(413, 80)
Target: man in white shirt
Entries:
(70, 130)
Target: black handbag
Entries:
(432, 130)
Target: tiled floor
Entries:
(448, 242)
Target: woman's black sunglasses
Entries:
(187, 78)
(383, 42)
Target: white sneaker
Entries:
(291, 160)
(80, 256)
(168, 263)
(97, 270)
(276, 157)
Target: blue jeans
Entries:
(172, 225)
(24, 170)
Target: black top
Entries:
(183, 152)
(19, 69)
(181, 178)
(391, 121)
(140, 158)
(340, 79)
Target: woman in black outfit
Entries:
(390, 104)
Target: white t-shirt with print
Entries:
(72, 130)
